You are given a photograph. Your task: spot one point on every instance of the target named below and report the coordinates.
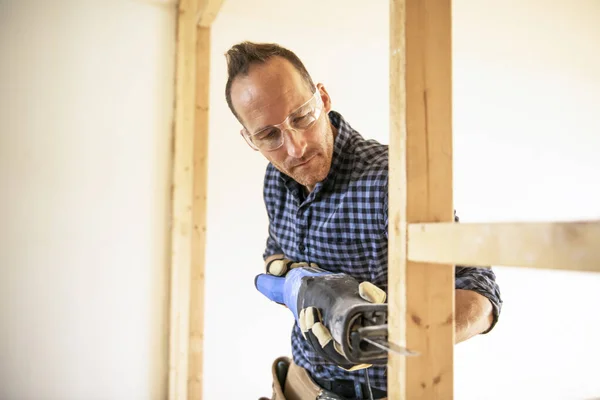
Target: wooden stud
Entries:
(552, 245)
(188, 227)
(421, 297)
(397, 388)
(182, 192)
(196, 356)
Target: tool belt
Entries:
(292, 382)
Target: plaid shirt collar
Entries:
(341, 141)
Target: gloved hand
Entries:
(281, 266)
(315, 295)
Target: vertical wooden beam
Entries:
(190, 170)
(182, 200)
(199, 214)
(397, 226)
(421, 295)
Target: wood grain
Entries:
(421, 296)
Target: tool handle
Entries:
(271, 286)
(284, 290)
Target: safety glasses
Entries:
(300, 120)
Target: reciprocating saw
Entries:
(357, 325)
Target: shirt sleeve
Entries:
(272, 246)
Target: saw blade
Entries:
(387, 346)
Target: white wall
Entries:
(526, 79)
(86, 99)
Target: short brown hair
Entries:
(242, 55)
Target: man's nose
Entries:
(295, 143)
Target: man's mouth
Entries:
(304, 162)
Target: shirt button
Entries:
(318, 368)
(301, 248)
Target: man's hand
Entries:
(315, 331)
(312, 307)
(279, 265)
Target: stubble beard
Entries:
(320, 164)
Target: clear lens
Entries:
(301, 119)
(304, 121)
(267, 139)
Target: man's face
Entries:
(266, 96)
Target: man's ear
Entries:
(325, 97)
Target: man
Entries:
(326, 193)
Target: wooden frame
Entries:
(424, 242)
(553, 245)
(421, 296)
(188, 227)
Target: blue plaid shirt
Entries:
(342, 225)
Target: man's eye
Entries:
(267, 134)
(303, 120)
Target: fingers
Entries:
(278, 267)
(302, 323)
(281, 266)
(319, 336)
(298, 265)
(323, 336)
(371, 293)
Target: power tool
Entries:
(358, 326)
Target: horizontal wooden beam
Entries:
(550, 245)
(207, 12)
